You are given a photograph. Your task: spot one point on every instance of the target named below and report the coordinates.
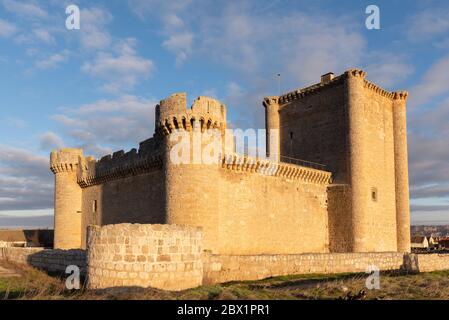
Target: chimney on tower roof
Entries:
(325, 78)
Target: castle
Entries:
(356, 200)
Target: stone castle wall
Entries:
(128, 186)
(283, 211)
(428, 262)
(161, 256)
(314, 127)
(46, 259)
(171, 257)
(225, 268)
(339, 217)
(137, 199)
(244, 210)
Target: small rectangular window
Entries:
(374, 194)
(94, 206)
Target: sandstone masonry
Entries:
(338, 179)
(159, 256)
(170, 257)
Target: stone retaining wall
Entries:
(224, 268)
(170, 257)
(46, 259)
(160, 256)
(428, 262)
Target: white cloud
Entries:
(28, 9)
(143, 8)
(50, 141)
(388, 69)
(7, 29)
(172, 21)
(36, 35)
(93, 33)
(433, 84)
(180, 44)
(428, 152)
(179, 39)
(25, 180)
(105, 125)
(52, 61)
(44, 35)
(246, 105)
(300, 46)
(210, 93)
(121, 70)
(428, 24)
(234, 93)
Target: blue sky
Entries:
(96, 87)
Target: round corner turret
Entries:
(172, 114)
(66, 159)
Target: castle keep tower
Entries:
(68, 195)
(358, 130)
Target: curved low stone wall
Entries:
(145, 255)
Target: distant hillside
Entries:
(435, 231)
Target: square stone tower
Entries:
(358, 131)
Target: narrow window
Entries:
(94, 206)
(291, 135)
(374, 194)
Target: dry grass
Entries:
(34, 284)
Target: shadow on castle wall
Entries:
(55, 261)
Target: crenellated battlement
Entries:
(65, 160)
(245, 164)
(368, 84)
(371, 86)
(317, 88)
(206, 113)
(400, 95)
(358, 73)
(120, 164)
(98, 172)
(327, 81)
(311, 90)
(271, 100)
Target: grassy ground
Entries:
(34, 284)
